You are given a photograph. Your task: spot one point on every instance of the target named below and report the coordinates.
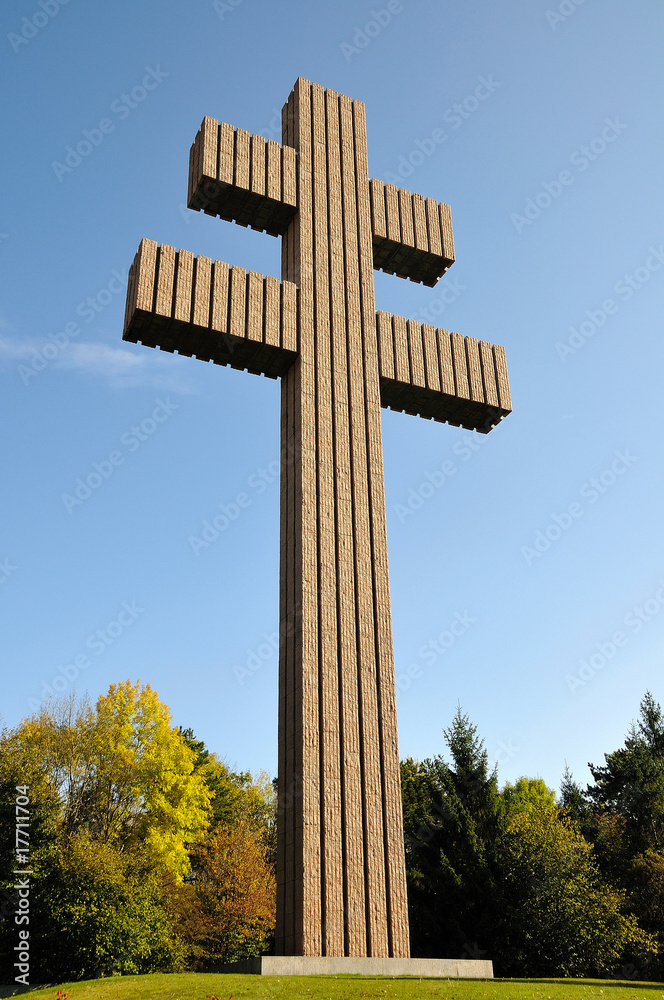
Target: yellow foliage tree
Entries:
(527, 795)
(123, 772)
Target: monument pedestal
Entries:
(311, 965)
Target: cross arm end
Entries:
(198, 307)
(440, 375)
(242, 178)
(412, 235)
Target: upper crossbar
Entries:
(242, 178)
(412, 235)
(250, 180)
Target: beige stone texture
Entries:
(208, 310)
(242, 178)
(411, 237)
(440, 375)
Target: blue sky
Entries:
(541, 124)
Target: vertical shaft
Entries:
(340, 864)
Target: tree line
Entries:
(148, 853)
(544, 887)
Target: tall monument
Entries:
(341, 887)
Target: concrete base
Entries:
(297, 965)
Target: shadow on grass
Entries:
(608, 983)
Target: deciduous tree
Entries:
(228, 912)
(122, 772)
(560, 918)
(98, 911)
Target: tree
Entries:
(235, 795)
(508, 874)
(574, 800)
(123, 774)
(647, 887)
(630, 784)
(451, 818)
(228, 912)
(527, 795)
(560, 919)
(132, 869)
(98, 912)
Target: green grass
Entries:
(196, 986)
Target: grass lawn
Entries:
(198, 986)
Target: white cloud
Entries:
(120, 367)
(100, 359)
(13, 350)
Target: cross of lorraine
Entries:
(341, 885)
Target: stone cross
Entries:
(341, 887)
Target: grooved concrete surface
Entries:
(340, 863)
(204, 308)
(412, 235)
(242, 178)
(341, 887)
(441, 375)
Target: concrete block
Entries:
(411, 237)
(420, 968)
(179, 302)
(441, 375)
(241, 178)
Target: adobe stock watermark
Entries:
(257, 658)
(580, 159)
(131, 440)
(96, 643)
(634, 621)
(563, 12)
(432, 650)
(7, 569)
(31, 26)
(377, 23)
(505, 751)
(623, 289)
(22, 885)
(454, 116)
(435, 479)
(471, 949)
(591, 493)
(448, 290)
(224, 7)
(88, 310)
(213, 527)
(121, 108)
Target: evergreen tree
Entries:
(627, 824)
(574, 800)
(630, 785)
(451, 814)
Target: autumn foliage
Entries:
(136, 867)
(227, 913)
(148, 853)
